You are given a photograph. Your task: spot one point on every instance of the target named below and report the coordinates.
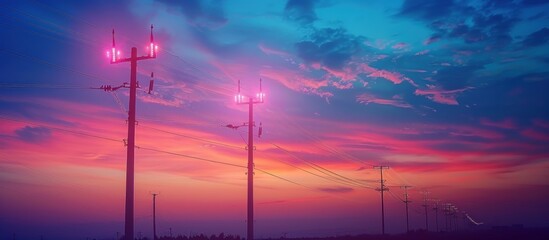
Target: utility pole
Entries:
(447, 214)
(154, 215)
(456, 218)
(406, 201)
(382, 189)
(240, 99)
(425, 205)
(114, 56)
(436, 212)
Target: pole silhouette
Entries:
(115, 58)
(425, 205)
(382, 189)
(406, 201)
(250, 232)
(446, 214)
(239, 99)
(436, 213)
(154, 215)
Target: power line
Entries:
(62, 129)
(318, 175)
(193, 138)
(192, 157)
(48, 63)
(208, 74)
(330, 174)
(320, 145)
(40, 86)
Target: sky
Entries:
(450, 94)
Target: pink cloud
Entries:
(368, 98)
(534, 134)
(505, 124)
(388, 140)
(464, 164)
(541, 123)
(416, 70)
(296, 82)
(346, 74)
(400, 45)
(430, 40)
(270, 51)
(442, 96)
(379, 44)
(422, 52)
(464, 52)
(393, 77)
(468, 131)
(342, 85)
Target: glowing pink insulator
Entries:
(152, 50)
(260, 96)
(114, 54)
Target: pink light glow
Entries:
(114, 54)
(239, 98)
(153, 50)
(260, 96)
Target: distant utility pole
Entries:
(114, 56)
(425, 205)
(406, 201)
(382, 189)
(154, 215)
(447, 213)
(240, 99)
(436, 212)
(456, 218)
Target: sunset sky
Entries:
(452, 95)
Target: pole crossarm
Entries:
(131, 59)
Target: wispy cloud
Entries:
(505, 124)
(297, 82)
(270, 51)
(336, 189)
(448, 97)
(33, 134)
(366, 98)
